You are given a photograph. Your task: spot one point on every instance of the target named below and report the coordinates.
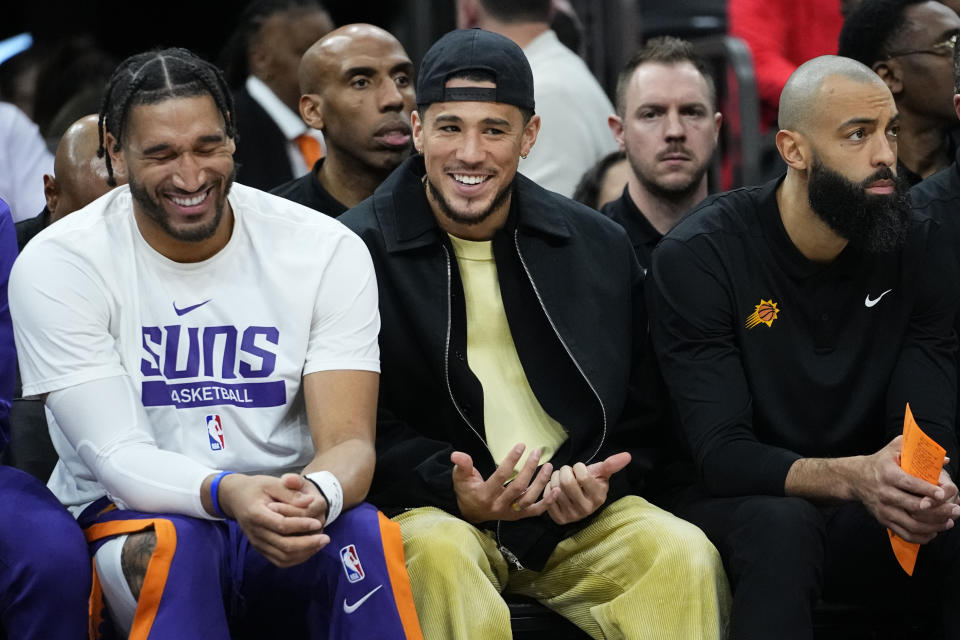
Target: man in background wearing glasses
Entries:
(909, 43)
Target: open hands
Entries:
(481, 500)
(582, 489)
(910, 507)
(282, 518)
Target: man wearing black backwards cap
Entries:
(492, 291)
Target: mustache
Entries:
(674, 149)
(177, 191)
(883, 173)
(461, 168)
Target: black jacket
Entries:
(261, 156)
(572, 292)
(939, 197)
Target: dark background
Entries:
(614, 28)
(123, 28)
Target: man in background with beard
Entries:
(793, 322)
(667, 123)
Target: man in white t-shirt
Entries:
(210, 365)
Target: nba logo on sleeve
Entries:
(351, 563)
(215, 432)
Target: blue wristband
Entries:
(215, 493)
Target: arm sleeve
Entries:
(693, 335)
(346, 317)
(8, 353)
(105, 423)
(61, 315)
(926, 372)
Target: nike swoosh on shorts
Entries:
(350, 608)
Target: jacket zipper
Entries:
(510, 556)
(446, 350)
(536, 291)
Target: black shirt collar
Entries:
(625, 211)
(319, 194)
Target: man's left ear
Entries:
(530, 132)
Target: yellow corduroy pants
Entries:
(635, 572)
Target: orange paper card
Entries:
(923, 458)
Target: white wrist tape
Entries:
(332, 491)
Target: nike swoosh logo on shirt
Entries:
(187, 310)
(869, 303)
(350, 608)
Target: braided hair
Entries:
(152, 77)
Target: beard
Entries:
(155, 211)
(465, 218)
(676, 193)
(876, 223)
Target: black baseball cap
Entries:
(476, 49)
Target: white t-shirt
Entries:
(573, 110)
(217, 349)
(24, 158)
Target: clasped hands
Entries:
(912, 508)
(282, 517)
(568, 494)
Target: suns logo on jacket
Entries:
(764, 313)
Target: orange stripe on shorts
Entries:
(95, 617)
(399, 580)
(157, 570)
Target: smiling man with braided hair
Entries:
(208, 353)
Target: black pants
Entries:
(782, 554)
